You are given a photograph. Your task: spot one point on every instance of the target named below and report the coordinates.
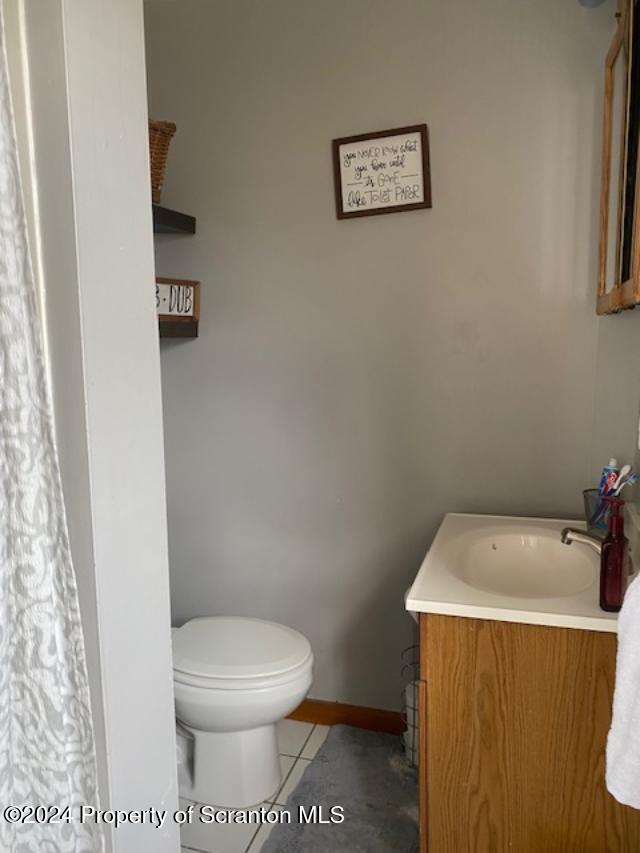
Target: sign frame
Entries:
(425, 177)
(181, 318)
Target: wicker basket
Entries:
(160, 135)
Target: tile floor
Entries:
(299, 743)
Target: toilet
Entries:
(234, 679)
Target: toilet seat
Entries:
(238, 653)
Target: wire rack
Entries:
(409, 673)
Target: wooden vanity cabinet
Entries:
(513, 726)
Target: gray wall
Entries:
(356, 380)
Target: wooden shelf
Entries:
(178, 328)
(167, 221)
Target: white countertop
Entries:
(440, 586)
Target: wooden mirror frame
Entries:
(624, 294)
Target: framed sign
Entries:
(382, 172)
(177, 297)
(178, 307)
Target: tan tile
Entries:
(217, 837)
(262, 834)
(292, 780)
(315, 741)
(286, 763)
(292, 736)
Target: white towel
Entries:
(623, 743)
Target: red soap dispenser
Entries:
(613, 561)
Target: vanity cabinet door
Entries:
(515, 727)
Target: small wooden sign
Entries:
(383, 172)
(177, 297)
(178, 307)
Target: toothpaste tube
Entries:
(608, 477)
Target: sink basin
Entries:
(513, 570)
(532, 564)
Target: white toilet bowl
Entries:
(234, 679)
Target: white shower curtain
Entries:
(46, 737)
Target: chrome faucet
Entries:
(570, 534)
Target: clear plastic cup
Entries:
(596, 512)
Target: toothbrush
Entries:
(624, 472)
(633, 478)
(624, 478)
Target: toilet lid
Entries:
(237, 647)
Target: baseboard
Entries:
(334, 713)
